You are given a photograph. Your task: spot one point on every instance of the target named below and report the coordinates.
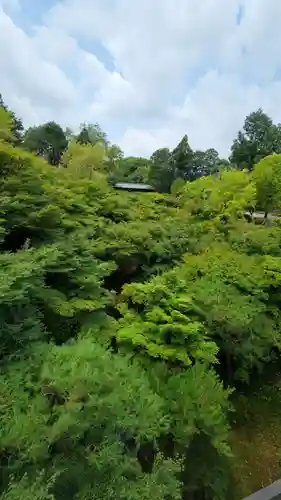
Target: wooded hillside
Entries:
(130, 323)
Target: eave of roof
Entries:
(132, 186)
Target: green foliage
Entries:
(130, 169)
(90, 152)
(218, 299)
(182, 164)
(15, 124)
(231, 293)
(220, 198)
(260, 138)
(87, 413)
(49, 265)
(29, 488)
(91, 134)
(86, 160)
(267, 176)
(205, 163)
(168, 327)
(161, 174)
(181, 159)
(177, 186)
(5, 125)
(197, 405)
(125, 317)
(48, 141)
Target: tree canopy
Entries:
(260, 137)
(48, 141)
(129, 322)
(16, 126)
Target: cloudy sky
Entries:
(149, 71)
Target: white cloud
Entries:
(180, 67)
(25, 74)
(137, 142)
(211, 115)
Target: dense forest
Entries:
(136, 327)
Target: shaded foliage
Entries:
(260, 137)
(130, 169)
(16, 125)
(182, 163)
(48, 141)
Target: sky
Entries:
(148, 71)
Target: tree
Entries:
(161, 174)
(259, 138)
(6, 125)
(92, 418)
(220, 198)
(162, 325)
(177, 186)
(42, 241)
(267, 176)
(160, 156)
(181, 160)
(168, 327)
(69, 134)
(222, 283)
(199, 428)
(91, 134)
(17, 127)
(204, 163)
(182, 163)
(114, 153)
(48, 141)
(206, 303)
(130, 169)
(124, 317)
(86, 160)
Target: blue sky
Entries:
(149, 71)
(27, 13)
